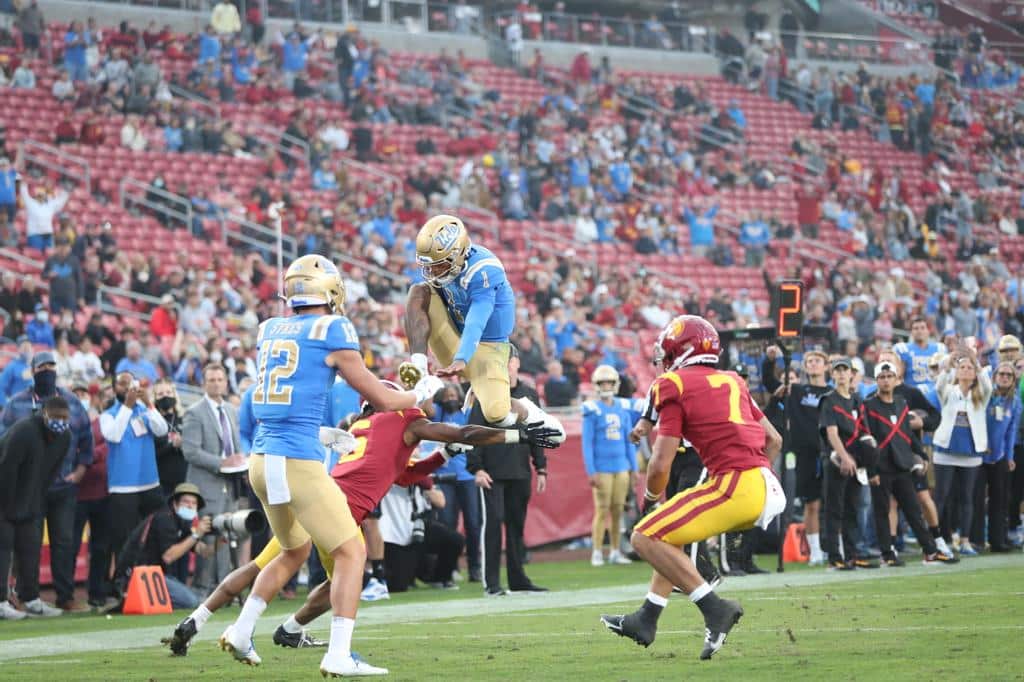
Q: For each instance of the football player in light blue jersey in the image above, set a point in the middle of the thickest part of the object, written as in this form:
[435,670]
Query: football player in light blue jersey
[464,312]
[609,459]
[298,359]
[916,354]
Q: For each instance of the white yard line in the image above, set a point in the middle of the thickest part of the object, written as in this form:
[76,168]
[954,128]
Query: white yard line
[127,632]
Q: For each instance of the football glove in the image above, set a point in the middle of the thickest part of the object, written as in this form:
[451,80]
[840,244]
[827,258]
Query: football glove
[538,433]
[647,506]
[426,388]
[339,440]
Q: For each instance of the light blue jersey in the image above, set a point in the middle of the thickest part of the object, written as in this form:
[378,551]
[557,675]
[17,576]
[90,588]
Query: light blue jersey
[605,439]
[294,382]
[915,362]
[480,302]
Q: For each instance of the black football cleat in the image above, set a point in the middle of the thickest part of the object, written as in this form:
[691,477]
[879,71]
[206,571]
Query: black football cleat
[717,625]
[296,640]
[632,626]
[181,639]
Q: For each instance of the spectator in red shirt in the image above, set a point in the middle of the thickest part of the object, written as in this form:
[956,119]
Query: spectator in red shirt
[92,131]
[808,208]
[581,71]
[164,322]
[93,506]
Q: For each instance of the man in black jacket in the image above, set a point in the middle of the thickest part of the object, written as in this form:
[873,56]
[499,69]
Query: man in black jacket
[31,453]
[887,418]
[503,476]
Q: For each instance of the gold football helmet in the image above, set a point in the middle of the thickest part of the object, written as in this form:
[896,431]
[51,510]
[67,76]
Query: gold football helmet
[605,373]
[442,247]
[314,280]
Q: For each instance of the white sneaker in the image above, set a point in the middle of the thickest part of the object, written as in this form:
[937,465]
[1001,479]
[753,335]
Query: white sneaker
[348,667]
[37,608]
[940,544]
[8,612]
[244,652]
[597,558]
[817,560]
[617,558]
[535,414]
[375,590]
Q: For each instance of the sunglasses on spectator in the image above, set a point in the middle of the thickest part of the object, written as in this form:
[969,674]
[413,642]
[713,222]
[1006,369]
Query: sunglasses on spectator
[1004,374]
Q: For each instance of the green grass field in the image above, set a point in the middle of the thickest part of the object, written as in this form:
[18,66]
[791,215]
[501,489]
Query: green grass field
[921,623]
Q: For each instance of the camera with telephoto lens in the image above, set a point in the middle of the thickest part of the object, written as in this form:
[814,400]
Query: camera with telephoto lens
[444,478]
[240,523]
[419,526]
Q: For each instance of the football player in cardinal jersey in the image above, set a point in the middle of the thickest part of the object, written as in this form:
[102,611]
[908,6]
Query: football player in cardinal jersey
[383,445]
[465,312]
[714,411]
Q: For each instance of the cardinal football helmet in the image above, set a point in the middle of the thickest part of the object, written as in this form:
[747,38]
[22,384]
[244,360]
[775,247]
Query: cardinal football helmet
[442,247]
[314,280]
[687,340]
[605,373]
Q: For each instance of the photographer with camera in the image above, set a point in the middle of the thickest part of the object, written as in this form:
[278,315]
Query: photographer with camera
[170,460]
[174,532]
[212,447]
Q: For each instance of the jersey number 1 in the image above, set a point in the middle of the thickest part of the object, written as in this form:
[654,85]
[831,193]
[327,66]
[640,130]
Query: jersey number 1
[720,380]
[268,391]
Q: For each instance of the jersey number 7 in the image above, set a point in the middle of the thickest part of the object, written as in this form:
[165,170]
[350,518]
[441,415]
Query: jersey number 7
[272,372]
[724,380]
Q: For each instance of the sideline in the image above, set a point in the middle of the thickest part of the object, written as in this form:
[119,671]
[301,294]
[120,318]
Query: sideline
[133,637]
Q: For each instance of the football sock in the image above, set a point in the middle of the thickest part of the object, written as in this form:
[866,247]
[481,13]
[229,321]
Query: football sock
[200,616]
[366,578]
[291,626]
[705,598]
[341,637]
[814,542]
[936,533]
[378,569]
[652,606]
[251,611]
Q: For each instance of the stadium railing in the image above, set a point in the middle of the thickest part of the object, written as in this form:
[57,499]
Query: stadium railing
[55,160]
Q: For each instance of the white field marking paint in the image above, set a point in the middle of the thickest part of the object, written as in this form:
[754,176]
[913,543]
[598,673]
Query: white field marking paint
[125,632]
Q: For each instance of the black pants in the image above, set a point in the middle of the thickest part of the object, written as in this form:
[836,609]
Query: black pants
[1016,489]
[954,491]
[900,486]
[97,514]
[400,563]
[504,504]
[60,527]
[127,510]
[839,513]
[19,544]
[439,553]
[995,478]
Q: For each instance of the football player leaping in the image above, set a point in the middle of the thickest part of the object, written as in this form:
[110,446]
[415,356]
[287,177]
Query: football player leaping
[715,412]
[465,312]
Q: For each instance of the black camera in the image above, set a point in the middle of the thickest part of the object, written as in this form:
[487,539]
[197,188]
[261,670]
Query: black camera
[419,526]
[444,478]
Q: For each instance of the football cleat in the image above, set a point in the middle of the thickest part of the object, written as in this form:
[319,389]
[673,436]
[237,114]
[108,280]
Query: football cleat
[243,653]
[840,565]
[893,561]
[181,639]
[616,558]
[865,562]
[375,590]
[632,626]
[296,640]
[535,414]
[717,626]
[351,666]
[939,558]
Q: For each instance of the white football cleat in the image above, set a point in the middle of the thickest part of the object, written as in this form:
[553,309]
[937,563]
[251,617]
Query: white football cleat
[616,558]
[37,608]
[375,590]
[348,667]
[535,414]
[597,558]
[244,652]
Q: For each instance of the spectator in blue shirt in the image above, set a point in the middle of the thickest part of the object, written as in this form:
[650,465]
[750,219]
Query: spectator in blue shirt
[134,363]
[323,177]
[209,46]
[702,227]
[1003,422]
[381,224]
[925,93]
[39,330]
[737,115]
[755,237]
[17,375]
[294,53]
[8,197]
[76,40]
[562,332]
[621,175]
[173,139]
[243,62]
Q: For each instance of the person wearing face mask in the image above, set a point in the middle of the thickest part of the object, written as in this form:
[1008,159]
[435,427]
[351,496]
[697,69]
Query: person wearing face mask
[174,532]
[39,330]
[61,497]
[31,453]
[170,462]
[17,375]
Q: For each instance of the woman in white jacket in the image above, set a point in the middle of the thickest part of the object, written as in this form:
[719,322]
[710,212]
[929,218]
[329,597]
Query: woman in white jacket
[962,438]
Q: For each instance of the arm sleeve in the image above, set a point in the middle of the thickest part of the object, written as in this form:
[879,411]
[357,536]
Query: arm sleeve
[191,445]
[919,402]
[246,422]
[414,472]
[112,427]
[587,441]
[13,452]
[480,308]
[157,423]
[768,379]
[539,458]
[84,445]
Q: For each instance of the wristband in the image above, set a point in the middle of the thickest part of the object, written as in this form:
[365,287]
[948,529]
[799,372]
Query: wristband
[195,536]
[511,436]
[651,497]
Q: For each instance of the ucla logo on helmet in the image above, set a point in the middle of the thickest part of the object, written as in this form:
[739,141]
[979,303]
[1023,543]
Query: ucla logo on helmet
[446,236]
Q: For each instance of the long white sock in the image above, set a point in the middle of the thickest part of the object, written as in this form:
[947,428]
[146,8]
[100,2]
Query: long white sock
[291,626]
[814,543]
[341,637]
[200,616]
[657,599]
[251,611]
[700,592]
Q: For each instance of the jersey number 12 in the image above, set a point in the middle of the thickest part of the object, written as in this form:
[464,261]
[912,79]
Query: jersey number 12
[269,390]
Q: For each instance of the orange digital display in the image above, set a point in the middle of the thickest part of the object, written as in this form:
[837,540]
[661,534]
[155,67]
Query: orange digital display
[789,309]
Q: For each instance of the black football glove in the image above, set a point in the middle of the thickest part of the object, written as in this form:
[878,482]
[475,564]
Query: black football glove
[647,506]
[536,433]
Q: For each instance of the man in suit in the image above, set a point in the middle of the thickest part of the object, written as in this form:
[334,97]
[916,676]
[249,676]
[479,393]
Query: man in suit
[210,443]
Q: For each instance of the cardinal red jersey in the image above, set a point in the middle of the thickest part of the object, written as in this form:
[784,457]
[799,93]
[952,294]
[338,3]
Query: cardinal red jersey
[381,457]
[714,411]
